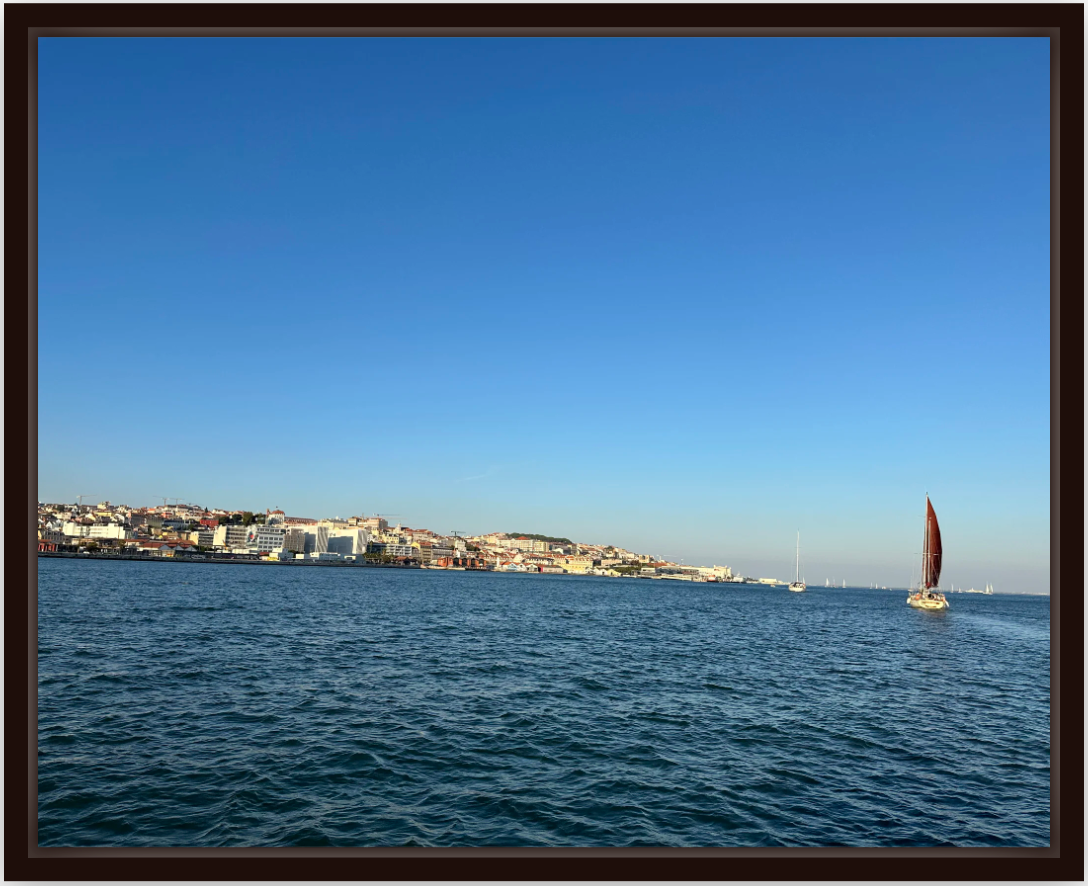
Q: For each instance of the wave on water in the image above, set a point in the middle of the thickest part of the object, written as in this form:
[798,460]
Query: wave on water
[260,707]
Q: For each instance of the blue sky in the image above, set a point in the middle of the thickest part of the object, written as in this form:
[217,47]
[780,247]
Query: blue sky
[688,296]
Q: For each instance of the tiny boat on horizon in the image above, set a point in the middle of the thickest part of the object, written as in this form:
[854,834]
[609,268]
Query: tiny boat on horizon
[798,584]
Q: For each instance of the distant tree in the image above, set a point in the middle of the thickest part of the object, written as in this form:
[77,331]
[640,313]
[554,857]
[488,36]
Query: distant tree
[549,538]
[247,518]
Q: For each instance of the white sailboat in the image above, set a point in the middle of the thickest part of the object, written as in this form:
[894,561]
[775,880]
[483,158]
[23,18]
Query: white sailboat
[925,597]
[798,583]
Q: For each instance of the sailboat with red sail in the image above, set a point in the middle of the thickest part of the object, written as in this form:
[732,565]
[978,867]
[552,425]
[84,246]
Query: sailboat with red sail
[925,597]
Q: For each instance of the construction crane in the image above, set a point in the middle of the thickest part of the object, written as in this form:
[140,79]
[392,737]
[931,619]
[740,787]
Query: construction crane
[80,498]
[164,498]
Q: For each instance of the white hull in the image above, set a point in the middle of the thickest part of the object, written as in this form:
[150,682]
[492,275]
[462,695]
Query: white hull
[798,586]
[932,602]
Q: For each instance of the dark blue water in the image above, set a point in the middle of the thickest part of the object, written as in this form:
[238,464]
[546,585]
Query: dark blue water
[185,704]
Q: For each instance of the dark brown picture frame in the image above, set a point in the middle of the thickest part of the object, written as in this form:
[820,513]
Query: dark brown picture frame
[1062,24]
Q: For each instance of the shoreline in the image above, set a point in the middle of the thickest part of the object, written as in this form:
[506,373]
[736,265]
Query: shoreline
[223,561]
[347,564]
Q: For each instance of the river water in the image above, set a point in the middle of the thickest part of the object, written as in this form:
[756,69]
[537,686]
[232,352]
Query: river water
[199,704]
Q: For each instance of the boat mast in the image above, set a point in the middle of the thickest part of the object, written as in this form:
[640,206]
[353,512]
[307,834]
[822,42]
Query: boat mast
[924,578]
[797,564]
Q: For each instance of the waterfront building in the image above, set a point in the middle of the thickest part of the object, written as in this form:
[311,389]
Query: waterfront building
[230,536]
[203,537]
[537,560]
[295,540]
[317,540]
[268,538]
[351,541]
[578,565]
[165,548]
[108,530]
[390,549]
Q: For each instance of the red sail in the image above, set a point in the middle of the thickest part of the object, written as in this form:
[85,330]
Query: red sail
[933,545]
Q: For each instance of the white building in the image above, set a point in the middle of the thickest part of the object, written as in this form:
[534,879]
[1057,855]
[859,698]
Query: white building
[392,550]
[348,541]
[108,530]
[268,538]
[317,540]
[230,536]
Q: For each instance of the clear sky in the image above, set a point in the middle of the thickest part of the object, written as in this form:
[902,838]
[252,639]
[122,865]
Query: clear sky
[688,296]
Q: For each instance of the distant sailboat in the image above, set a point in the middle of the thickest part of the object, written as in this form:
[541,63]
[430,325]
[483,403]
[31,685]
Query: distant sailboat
[798,583]
[925,597]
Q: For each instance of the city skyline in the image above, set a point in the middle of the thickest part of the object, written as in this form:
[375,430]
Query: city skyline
[684,296]
[835,571]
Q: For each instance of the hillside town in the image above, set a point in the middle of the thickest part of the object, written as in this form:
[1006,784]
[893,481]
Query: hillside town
[185,531]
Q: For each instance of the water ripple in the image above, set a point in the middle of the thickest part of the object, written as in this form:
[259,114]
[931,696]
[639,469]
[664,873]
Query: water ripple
[253,706]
